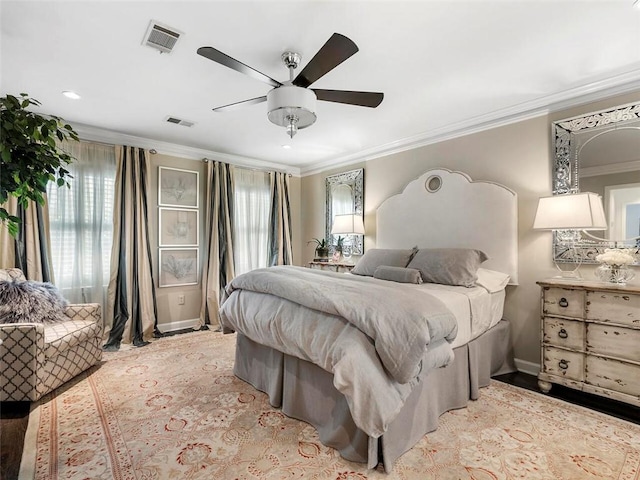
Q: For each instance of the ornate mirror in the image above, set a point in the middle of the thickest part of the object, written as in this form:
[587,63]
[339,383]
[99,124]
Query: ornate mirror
[345,195]
[600,153]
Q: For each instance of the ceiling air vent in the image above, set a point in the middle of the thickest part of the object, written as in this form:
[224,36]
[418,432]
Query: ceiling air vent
[179,121]
[161,37]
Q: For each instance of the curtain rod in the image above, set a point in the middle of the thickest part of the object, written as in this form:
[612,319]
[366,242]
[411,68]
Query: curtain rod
[153,151]
[256,169]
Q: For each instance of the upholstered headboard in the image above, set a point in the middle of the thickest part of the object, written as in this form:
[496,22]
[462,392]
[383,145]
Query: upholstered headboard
[443,208]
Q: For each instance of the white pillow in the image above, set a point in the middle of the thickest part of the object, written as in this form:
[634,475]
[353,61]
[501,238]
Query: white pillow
[491,280]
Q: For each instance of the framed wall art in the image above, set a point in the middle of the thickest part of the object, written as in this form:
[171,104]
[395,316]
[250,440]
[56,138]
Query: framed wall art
[178,227]
[178,188]
[178,267]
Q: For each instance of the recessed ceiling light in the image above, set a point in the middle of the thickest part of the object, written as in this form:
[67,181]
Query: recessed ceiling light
[72,95]
[286,147]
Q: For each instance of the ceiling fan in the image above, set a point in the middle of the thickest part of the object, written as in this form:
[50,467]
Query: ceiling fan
[292,104]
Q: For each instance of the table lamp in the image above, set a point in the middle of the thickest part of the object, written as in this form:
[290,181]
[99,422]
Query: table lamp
[348,225]
[571,213]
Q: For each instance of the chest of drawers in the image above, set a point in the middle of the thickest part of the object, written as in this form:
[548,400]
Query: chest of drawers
[591,338]
[332,266]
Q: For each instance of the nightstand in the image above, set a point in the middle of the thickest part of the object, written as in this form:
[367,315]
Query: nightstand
[591,338]
[339,267]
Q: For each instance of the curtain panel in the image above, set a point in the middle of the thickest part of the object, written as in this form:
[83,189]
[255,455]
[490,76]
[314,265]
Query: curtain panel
[81,223]
[218,267]
[30,251]
[131,307]
[280,249]
[251,226]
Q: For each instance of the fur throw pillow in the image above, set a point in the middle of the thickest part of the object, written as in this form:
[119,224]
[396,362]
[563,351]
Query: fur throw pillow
[31,302]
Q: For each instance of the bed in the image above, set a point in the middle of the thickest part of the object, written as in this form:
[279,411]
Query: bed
[373,388]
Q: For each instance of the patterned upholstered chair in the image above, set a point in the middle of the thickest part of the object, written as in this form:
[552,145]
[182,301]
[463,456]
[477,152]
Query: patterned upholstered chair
[35,358]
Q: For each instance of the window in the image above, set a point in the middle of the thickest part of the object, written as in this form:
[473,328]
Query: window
[81,223]
[252,204]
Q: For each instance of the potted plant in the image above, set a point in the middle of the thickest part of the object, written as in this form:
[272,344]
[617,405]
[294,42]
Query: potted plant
[29,155]
[322,249]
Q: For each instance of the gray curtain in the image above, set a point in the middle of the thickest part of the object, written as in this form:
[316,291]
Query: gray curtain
[30,251]
[217,269]
[131,315]
[280,250]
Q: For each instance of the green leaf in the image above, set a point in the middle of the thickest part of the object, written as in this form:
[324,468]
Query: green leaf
[13,228]
[29,151]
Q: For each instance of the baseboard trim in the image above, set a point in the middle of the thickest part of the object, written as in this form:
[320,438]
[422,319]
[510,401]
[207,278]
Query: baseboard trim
[527,367]
[179,325]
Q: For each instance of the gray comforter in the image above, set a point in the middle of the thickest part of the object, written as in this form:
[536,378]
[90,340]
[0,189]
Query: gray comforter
[373,335]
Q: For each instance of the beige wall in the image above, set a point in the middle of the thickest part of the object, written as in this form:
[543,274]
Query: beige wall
[518,156]
[171,314]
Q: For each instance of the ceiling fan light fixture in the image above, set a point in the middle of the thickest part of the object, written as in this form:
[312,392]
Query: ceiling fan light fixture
[292,127]
[291,107]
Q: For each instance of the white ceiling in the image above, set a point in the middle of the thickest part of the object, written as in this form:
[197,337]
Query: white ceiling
[444,66]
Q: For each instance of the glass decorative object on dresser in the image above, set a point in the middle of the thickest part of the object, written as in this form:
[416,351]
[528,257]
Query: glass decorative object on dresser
[614,266]
[599,152]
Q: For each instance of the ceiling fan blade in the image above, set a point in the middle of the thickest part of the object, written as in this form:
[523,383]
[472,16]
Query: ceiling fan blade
[337,49]
[363,99]
[224,59]
[244,103]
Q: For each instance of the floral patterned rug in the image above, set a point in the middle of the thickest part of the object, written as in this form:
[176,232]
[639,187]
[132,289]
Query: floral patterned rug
[174,410]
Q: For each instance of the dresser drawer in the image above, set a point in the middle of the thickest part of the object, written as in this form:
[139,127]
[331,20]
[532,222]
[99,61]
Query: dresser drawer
[614,307]
[563,333]
[562,301]
[563,363]
[613,375]
[614,341]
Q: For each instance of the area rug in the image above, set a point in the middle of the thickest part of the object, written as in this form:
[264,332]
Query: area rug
[174,410]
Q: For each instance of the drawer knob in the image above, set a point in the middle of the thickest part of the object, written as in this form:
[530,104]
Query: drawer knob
[563,364]
[563,333]
[563,302]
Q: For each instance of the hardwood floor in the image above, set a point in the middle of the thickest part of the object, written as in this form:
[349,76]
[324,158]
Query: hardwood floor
[614,408]
[14,417]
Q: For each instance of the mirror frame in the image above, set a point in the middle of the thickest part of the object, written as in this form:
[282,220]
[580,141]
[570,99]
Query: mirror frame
[355,179]
[566,169]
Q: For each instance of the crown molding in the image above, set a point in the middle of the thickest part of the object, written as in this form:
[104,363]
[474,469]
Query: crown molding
[624,167]
[592,92]
[95,134]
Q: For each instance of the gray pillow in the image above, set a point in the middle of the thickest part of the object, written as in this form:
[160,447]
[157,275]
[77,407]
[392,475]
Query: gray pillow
[375,257]
[398,274]
[31,302]
[448,266]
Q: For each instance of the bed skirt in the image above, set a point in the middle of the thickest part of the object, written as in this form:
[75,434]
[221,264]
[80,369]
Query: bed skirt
[305,391]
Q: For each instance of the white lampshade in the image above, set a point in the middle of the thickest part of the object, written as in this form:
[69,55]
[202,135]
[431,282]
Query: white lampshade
[349,224]
[577,211]
[291,107]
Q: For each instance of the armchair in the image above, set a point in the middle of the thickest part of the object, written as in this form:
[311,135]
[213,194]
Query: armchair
[36,358]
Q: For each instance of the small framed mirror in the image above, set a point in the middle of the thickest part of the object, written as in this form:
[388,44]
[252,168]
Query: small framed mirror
[344,195]
[600,153]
